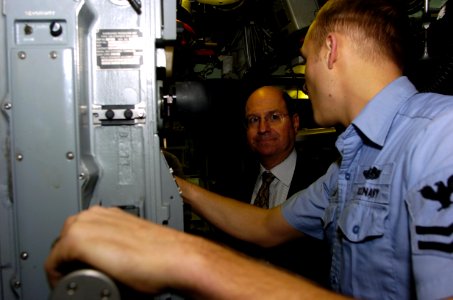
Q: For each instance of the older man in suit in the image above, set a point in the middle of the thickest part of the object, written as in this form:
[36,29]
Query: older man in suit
[271,127]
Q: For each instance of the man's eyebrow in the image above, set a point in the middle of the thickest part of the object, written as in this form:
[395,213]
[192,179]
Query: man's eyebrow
[266,112]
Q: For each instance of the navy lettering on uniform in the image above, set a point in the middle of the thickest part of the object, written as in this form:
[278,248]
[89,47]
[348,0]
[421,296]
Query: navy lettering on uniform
[369,192]
[372,173]
[441,194]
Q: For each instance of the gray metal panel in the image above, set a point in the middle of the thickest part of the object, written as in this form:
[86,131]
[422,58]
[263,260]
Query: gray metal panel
[7,243]
[171,197]
[169,19]
[120,152]
[45,169]
[55,158]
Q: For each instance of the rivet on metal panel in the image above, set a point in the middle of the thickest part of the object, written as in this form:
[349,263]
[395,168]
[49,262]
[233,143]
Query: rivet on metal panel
[7,105]
[70,155]
[53,54]
[16,284]
[22,55]
[24,255]
[19,157]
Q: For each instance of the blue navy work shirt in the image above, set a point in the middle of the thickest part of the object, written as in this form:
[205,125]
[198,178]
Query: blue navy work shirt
[386,207]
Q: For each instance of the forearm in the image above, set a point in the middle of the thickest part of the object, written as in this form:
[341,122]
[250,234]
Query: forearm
[241,220]
[219,273]
[151,259]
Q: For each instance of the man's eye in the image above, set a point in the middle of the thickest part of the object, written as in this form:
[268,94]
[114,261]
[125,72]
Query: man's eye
[275,117]
[253,120]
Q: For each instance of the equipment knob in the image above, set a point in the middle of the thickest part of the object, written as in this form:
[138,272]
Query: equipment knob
[128,114]
[109,114]
[56,29]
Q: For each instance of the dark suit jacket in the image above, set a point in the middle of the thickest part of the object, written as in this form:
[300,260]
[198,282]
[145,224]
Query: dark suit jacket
[306,256]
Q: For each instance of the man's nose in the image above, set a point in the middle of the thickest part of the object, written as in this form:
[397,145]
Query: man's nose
[263,125]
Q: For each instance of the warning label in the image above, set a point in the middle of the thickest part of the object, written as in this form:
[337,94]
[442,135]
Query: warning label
[119,48]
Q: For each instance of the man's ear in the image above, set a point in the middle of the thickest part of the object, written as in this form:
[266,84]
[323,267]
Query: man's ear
[296,122]
[331,43]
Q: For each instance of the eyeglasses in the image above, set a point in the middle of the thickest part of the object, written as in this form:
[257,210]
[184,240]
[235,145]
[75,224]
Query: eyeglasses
[272,118]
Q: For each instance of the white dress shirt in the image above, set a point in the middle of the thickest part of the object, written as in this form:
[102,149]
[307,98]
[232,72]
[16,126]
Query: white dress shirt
[283,172]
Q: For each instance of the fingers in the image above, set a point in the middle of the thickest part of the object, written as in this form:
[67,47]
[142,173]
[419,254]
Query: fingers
[127,248]
[77,233]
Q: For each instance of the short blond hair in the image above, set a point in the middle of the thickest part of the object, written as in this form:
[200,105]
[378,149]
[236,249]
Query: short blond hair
[376,27]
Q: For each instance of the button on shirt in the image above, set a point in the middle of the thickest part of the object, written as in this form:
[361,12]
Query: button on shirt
[386,208]
[283,172]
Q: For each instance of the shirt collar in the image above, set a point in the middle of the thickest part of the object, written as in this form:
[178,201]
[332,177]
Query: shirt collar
[284,171]
[375,120]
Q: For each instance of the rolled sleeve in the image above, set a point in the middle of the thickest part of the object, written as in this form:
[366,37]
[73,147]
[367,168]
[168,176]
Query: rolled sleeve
[306,209]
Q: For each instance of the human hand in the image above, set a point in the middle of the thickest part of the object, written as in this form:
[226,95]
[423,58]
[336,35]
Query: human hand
[133,251]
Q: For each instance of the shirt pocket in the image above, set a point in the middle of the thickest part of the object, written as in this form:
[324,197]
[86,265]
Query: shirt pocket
[367,208]
[361,221]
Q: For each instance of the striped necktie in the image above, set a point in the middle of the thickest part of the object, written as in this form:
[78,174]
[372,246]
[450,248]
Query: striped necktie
[262,198]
